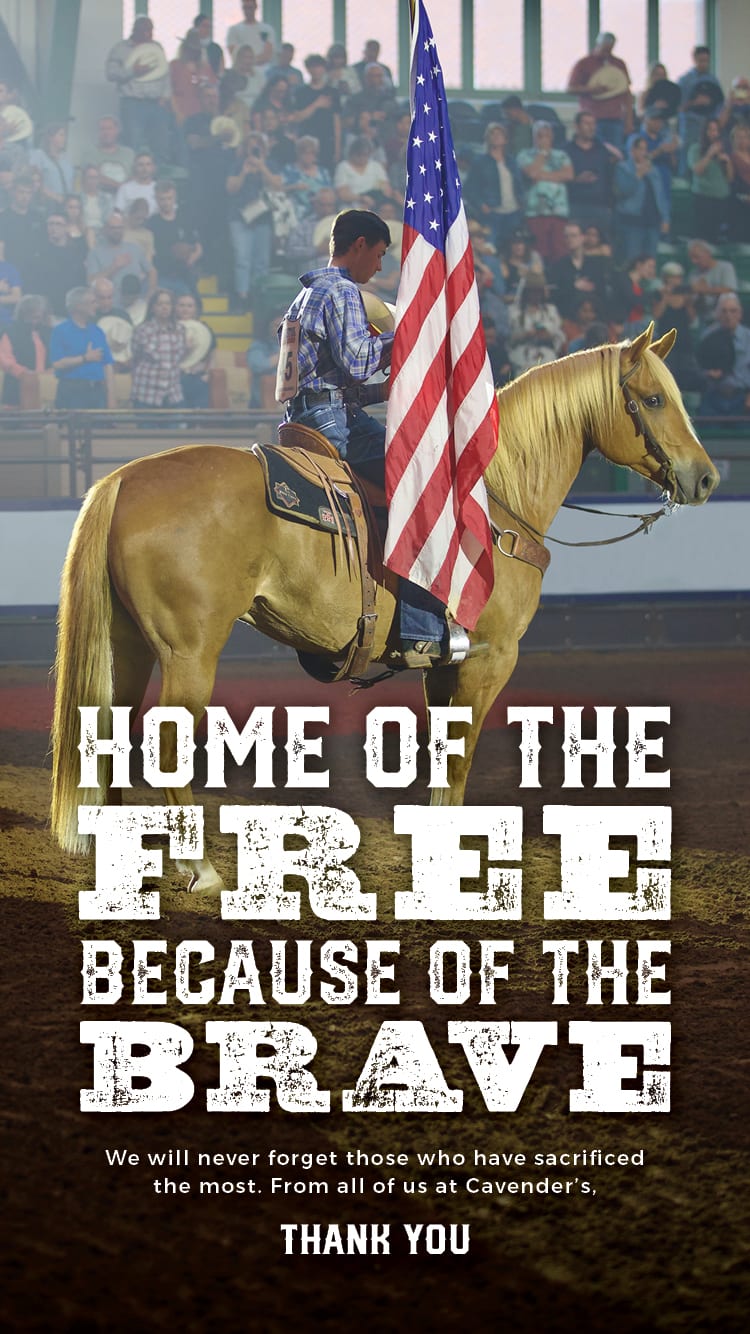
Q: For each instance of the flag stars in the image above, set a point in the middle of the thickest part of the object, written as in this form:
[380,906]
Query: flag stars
[428,198]
[432,137]
[420,79]
[417,142]
[410,203]
[422,169]
[433,226]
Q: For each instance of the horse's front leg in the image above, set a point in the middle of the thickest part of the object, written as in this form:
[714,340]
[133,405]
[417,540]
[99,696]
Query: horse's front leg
[476,684]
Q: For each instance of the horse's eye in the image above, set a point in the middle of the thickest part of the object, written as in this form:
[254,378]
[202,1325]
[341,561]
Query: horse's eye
[653,401]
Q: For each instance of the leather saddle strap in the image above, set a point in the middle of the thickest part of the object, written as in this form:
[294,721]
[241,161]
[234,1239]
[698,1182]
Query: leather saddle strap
[516,546]
[359,652]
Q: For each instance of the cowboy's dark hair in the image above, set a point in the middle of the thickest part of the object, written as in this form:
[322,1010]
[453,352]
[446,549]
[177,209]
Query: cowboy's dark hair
[356,222]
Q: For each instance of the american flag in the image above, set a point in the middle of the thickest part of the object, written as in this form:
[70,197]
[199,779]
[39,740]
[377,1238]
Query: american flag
[441,425]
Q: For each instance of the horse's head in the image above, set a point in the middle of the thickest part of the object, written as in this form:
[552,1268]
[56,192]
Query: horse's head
[653,434]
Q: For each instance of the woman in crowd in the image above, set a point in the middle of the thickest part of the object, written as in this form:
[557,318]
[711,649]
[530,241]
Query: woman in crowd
[96,204]
[595,242]
[306,177]
[136,231]
[494,187]
[711,179]
[250,224]
[54,164]
[641,207]
[547,171]
[78,235]
[360,180]
[187,75]
[195,385]
[656,74]
[277,94]
[23,346]
[518,261]
[159,347]
[536,333]
[739,200]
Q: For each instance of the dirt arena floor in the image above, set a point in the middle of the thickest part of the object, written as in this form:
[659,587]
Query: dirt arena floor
[658,1242]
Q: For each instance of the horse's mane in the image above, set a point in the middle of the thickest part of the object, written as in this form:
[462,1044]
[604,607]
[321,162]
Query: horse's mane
[547,411]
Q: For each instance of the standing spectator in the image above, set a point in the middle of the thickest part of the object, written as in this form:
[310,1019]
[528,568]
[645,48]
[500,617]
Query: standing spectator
[728,390]
[657,73]
[114,160]
[702,96]
[144,99]
[317,111]
[75,225]
[283,65]
[590,190]
[577,275]
[662,146]
[709,278]
[10,288]
[282,148]
[536,334]
[547,171]
[371,56]
[21,227]
[115,257]
[56,167]
[206,197]
[739,201]
[96,205]
[602,84]
[177,250]
[278,95]
[187,75]
[360,180]
[159,346]
[212,52]
[140,186]
[341,76]
[250,225]
[194,382]
[58,266]
[595,241]
[260,36]
[250,79]
[494,186]
[736,109]
[376,97]
[136,231]
[80,357]
[104,298]
[518,124]
[518,260]
[711,176]
[306,177]
[642,211]
[23,346]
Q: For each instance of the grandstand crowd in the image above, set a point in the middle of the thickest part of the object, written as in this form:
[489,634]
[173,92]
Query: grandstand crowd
[232,160]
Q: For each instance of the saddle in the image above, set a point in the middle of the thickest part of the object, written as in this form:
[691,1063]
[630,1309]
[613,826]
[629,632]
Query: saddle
[308,482]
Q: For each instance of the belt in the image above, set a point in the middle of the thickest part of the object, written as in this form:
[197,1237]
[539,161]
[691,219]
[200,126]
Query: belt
[308,397]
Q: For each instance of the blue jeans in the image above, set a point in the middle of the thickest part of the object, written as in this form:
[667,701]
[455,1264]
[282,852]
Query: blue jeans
[360,440]
[611,130]
[634,240]
[145,124]
[252,253]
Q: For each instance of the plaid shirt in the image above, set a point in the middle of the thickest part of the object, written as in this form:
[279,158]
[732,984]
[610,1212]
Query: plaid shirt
[336,348]
[158,350]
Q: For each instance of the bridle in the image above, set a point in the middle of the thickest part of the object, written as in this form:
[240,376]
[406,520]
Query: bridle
[666,474]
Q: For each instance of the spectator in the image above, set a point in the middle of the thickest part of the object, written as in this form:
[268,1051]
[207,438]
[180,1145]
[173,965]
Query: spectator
[307,245]
[702,96]
[577,275]
[159,347]
[360,180]
[56,167]
[282,148]
[263,359]
[80,357]
[194,381]
[177,250]
[674,310]
[602,84]
[115,257]
[250,81]
[709,278]
[727,393]
[59,265]
[114,160]
[260,36]
[140,186]
[376,97]
[75,225]
[663,146]
[134,304]
[143,98]
[628,299]
[250,226]
[497,352]
[657,73]
[395,151]
[306,177]
[136,231]
[590,190]
[104,300]
[10,288]
[17,149]
[21,227]
[536,334]
[518,260]
[116,324]
[341,76]
[711,179]
[317,111]
[518,124]
[595,241]
[736,109]
[284,66]
[370,56]
[586,330]
[495,186]
[547,171]
[739,200]
[23,346]
[212,52]
[641,209]
[205,193]
[6,178]
[187,75]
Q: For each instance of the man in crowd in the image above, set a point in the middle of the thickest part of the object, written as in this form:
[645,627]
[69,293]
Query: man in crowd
[57,267]
[590,191]
[260,36]
[177,249]
[708,278]
[80,357]
[115,257]
[21,227]
[317,112]
[104,297]
[577,275]
[727,368]
[371,56]
[602,85]
[144,101]
[140,186]
[109,155]
[702,96]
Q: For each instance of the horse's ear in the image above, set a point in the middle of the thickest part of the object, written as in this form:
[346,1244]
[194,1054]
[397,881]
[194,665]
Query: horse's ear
[663,346]
[631,355]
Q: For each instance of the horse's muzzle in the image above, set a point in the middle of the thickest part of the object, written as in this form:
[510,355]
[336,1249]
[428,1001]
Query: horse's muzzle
[695,484]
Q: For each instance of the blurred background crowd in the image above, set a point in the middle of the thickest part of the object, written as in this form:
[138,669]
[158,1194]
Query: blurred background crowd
[170,243]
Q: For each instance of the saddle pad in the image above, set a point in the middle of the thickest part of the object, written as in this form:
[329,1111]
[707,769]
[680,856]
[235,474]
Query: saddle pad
[293,492]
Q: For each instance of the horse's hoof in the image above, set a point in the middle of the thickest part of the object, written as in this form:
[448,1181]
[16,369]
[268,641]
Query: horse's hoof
[206,884]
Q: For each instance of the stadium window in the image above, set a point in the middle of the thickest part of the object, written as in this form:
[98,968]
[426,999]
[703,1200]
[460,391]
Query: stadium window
[309,27]
[628,20]
[170,23]
[682,25]
[498,45]
[565,38]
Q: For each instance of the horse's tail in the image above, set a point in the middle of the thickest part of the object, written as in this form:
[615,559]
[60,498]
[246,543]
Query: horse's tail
[83,665]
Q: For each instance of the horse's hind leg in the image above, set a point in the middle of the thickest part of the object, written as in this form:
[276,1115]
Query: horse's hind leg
[132,659]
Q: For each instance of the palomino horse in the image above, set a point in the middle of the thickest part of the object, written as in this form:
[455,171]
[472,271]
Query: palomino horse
[169,551]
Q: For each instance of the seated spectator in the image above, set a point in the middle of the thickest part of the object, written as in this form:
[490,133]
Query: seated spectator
[547,171]
[595,241]
[52,159]
[194,381]
[724,352]
[366,127]
[395,145]
[58,266]
[317,111]
[136,231]
[341,76]
[577,275]
[21,228]
[628,301]
[495,187]
[284,65]
[308,243]
[497,352]
[739,200]
[306,177]
[10,289]
[250,225]
[674,310]
[96,205]
[641,208]
[159,348]
[518,124]
[590,189]
[23,346]
[177,250]
[360,180]
[708,278]
[115,257]
[143,100]
[80,357]
[593,332]
[114,159]
[141,184]
[517,261]
[212,52]
[536,333]
[657,73]
[187,75]
[711,176]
